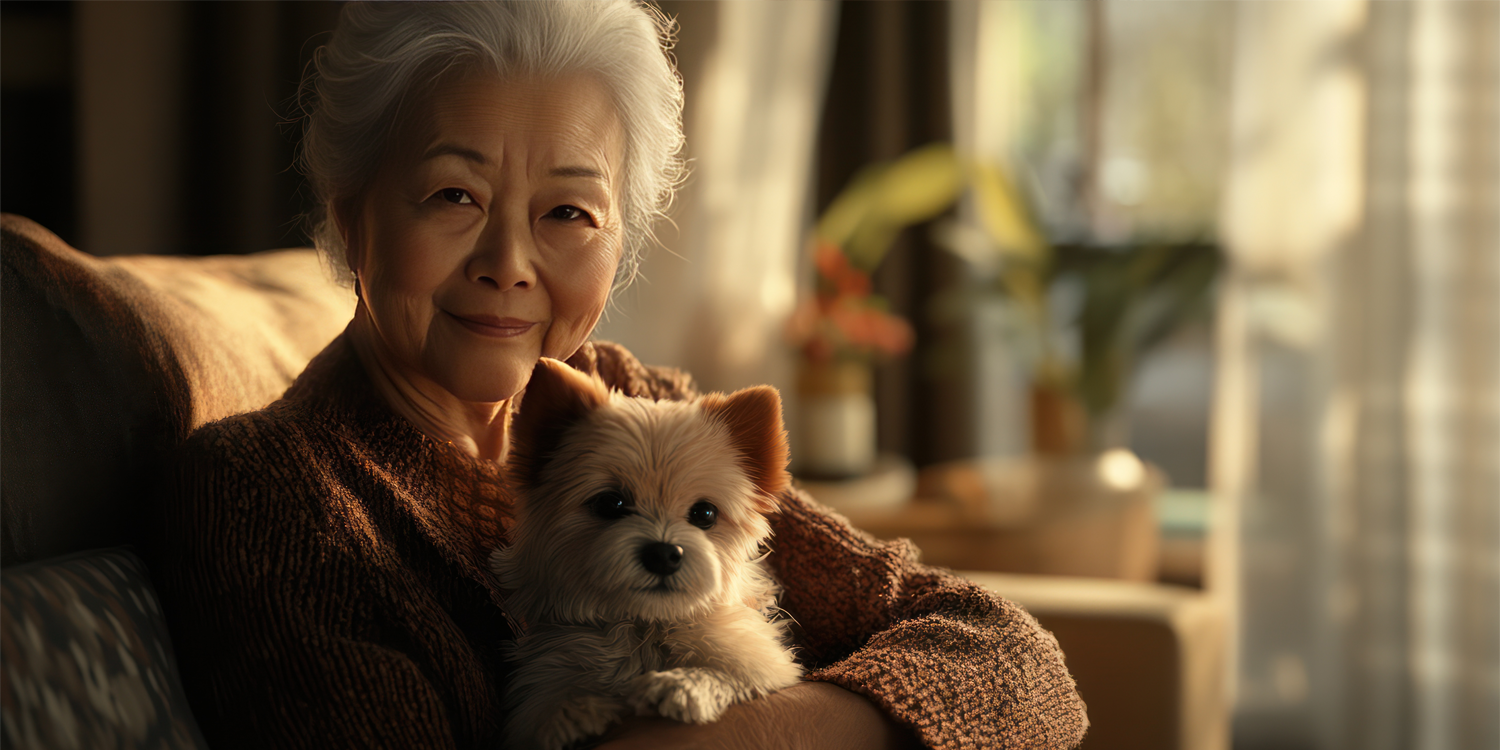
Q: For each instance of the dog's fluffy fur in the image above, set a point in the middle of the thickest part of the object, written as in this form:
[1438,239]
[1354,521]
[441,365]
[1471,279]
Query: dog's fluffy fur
[598,478]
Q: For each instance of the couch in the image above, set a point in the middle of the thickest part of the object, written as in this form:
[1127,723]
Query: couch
[108,363]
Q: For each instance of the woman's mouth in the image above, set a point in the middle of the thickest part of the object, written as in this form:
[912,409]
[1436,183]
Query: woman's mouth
[493,327]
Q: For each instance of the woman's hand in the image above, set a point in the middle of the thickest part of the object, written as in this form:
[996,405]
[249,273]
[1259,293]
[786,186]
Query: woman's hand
[805,716]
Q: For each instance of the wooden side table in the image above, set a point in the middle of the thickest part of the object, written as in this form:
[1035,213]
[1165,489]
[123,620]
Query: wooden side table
[1091,517]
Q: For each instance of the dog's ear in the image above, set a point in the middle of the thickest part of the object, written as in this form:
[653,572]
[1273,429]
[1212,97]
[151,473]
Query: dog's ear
[556,398]
[753,416]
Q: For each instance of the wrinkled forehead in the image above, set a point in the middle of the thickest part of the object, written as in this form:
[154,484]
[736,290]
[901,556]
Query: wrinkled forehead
[569,116]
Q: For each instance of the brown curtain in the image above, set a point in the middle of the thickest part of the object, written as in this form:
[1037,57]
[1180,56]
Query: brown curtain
[157,126]
[888,92]
[245,62]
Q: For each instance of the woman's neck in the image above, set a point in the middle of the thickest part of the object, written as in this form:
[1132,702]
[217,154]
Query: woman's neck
[479,429]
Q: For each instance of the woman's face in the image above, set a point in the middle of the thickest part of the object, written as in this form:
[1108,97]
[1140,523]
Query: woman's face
[491,234]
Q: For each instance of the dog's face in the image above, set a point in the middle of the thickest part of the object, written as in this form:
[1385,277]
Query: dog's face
[635,509]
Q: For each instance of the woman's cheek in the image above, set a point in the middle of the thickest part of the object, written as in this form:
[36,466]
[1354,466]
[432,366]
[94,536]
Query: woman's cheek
[579,296]
[400,279]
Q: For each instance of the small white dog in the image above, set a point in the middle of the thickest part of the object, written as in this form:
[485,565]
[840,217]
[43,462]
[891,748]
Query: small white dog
[635,562]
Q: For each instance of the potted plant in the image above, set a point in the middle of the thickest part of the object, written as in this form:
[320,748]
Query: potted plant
[1131,297]
[841,327]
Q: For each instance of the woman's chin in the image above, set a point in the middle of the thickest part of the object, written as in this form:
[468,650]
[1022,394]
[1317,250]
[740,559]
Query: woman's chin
[476,380]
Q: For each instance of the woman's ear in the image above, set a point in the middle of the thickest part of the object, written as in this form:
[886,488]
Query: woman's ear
[346,223]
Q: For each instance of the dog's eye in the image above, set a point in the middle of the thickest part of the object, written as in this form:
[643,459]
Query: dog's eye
[703,514]
[610,505]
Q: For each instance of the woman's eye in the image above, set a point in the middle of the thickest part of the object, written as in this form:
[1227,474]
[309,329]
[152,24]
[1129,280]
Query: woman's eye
[703,514]
[567,213]
[456,195]
[610,505]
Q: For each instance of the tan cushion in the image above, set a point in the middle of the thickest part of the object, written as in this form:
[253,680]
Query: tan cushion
[1151,660]
[108,363]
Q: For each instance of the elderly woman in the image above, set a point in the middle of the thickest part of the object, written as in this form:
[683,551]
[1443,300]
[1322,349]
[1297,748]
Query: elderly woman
[487,173]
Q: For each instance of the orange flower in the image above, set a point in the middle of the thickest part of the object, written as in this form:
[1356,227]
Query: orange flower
[830,259]
[843,318]
[834,267]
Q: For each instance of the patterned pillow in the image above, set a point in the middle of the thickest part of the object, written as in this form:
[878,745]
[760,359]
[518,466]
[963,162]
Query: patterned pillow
[87,660]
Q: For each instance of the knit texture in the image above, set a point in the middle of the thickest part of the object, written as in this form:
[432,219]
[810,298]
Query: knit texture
[962,666]
[322,567]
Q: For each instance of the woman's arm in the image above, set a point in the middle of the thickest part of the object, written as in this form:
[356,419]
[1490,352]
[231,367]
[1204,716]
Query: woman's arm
[960,665]
[806,716]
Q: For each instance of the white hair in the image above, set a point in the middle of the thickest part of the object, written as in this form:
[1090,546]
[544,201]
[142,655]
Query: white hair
[383,51]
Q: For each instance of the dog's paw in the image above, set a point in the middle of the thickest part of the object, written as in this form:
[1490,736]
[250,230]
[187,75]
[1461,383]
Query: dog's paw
[694,696]
[575,720]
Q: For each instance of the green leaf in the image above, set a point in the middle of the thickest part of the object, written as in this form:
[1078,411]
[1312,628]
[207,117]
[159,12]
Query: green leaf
[918,186]
[849,208]
[883,199]
[1180,292]
[1005,216]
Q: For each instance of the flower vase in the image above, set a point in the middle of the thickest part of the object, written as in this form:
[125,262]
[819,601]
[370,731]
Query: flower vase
[1059,423]
[837,438]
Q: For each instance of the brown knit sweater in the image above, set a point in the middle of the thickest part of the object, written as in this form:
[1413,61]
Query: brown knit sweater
[323,573]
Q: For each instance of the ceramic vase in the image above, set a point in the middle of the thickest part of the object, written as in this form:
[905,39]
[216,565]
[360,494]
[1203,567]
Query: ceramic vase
[837,406]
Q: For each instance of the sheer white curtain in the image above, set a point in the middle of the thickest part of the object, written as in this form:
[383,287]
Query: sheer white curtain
[1358,430]
[715,298]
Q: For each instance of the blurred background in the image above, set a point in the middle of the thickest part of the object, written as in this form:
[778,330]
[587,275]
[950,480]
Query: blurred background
[1202,296]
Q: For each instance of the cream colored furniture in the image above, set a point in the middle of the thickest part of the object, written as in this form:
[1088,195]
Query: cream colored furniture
[1093,517]
[1150,660]
[1077,542]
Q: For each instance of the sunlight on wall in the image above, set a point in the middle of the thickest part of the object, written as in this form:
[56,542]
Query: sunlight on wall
[716,300]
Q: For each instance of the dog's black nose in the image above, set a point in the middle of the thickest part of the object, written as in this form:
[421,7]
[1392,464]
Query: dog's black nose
[661,558]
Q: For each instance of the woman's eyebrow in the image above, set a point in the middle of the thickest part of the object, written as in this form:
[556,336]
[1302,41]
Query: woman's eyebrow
[589,172]
[469,154]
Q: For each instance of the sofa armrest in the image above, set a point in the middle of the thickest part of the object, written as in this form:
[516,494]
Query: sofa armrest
[1150,660]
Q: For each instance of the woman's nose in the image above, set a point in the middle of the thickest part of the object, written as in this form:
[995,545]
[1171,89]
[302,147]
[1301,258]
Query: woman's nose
[505,257]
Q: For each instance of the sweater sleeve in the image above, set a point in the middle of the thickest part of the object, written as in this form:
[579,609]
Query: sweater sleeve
[266,612]
[963,667]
